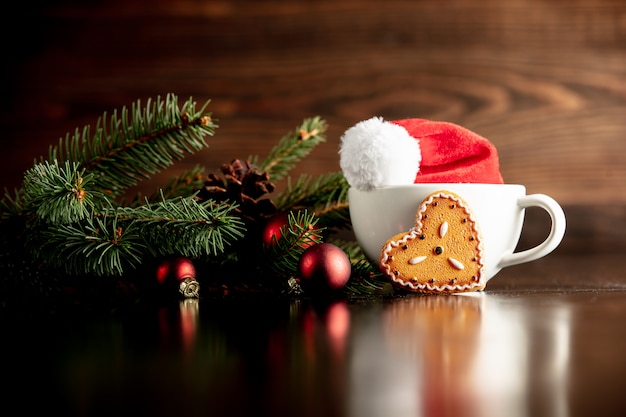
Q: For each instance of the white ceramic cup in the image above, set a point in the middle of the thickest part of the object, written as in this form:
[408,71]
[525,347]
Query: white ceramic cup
[380,214]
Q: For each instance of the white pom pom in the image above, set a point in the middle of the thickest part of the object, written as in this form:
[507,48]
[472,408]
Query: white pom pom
[375,153]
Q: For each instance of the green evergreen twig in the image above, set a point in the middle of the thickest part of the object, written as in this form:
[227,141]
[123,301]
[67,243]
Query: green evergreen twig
[326,195]
[283,255]
[128,147]
[59,194]
[292,148]
[184,184]
[66,216]
[184,226]
[118,240]
[101,246]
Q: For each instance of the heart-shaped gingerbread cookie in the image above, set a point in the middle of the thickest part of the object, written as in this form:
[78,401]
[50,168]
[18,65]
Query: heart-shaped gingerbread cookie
[442,253]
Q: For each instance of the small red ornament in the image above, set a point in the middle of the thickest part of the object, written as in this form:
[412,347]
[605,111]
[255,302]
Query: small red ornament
[324,267]
[179,271]
[272,230]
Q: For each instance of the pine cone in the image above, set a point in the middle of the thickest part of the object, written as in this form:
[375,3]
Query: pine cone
[244,184]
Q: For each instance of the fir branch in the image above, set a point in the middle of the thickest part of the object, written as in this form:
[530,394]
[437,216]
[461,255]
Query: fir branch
[12,204]
[367,283]
[292,148]
[127,148]
[283,255]
[326,195]
[184,226]
[119,239]
[59,194]
[184,184]
[99,246]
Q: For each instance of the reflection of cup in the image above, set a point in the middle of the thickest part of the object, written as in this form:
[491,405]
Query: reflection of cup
[439,341]
[498,210]
[473,355]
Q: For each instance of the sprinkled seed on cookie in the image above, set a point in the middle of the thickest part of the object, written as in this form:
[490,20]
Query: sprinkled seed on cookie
[456,264]
[438,250]
[443,229]
[416,260]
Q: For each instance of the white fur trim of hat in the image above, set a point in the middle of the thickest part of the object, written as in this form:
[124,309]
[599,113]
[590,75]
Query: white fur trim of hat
[375,153]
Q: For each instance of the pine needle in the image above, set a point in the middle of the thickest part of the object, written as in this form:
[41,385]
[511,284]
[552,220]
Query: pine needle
[293,147]
[326,195]
[130,146]
[60,194]
[102,246]
[283,255]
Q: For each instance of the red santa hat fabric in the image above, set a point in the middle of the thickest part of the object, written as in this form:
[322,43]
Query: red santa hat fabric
[375,153]
[452,153]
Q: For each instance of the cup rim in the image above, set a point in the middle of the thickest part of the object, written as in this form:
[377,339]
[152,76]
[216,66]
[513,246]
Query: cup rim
[439,185]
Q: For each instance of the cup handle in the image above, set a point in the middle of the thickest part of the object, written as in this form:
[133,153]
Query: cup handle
[557,230]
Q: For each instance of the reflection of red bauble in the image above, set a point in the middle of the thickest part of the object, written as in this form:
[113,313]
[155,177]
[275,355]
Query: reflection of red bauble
[272,232]
[324,267]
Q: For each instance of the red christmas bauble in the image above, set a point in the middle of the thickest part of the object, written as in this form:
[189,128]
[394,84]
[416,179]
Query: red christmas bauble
[324,267]
[272,232]
[180,272]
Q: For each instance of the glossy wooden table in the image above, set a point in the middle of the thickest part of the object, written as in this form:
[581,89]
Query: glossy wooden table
[543,80]
[545,339]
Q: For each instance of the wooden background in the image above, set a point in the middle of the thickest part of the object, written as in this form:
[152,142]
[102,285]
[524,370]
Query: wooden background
[545,81]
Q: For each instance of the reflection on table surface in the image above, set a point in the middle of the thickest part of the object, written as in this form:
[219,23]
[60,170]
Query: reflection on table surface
[485,354]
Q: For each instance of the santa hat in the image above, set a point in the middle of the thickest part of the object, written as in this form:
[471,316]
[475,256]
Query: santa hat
[376,153]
